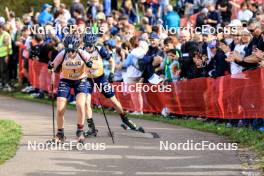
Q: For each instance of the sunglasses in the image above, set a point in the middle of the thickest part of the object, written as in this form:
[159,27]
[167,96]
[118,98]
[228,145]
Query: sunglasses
[71,50]
[89,45]
[252,30]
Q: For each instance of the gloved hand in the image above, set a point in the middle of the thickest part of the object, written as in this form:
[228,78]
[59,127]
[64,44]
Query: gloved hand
[50,66]
[111,77]
[89,64]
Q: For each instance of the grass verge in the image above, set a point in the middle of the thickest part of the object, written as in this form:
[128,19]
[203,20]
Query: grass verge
[10,134]
[245,137]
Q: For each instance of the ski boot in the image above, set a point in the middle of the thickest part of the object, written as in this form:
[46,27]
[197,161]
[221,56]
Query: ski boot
[59,139]
[80,136]
[130,125]
[92,131]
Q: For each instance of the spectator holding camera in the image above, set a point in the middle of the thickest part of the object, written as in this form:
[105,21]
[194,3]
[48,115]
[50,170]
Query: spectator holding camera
[192,62]
[218,66]
[171,66]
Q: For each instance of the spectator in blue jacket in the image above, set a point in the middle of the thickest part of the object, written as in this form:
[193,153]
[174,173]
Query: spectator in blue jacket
[171,19]
[129,11]
[151,17]
[45,16]
[218,66]
[154,53]
[107,7]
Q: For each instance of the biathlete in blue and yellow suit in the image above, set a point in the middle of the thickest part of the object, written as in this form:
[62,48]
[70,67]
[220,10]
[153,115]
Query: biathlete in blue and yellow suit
[96,75]
[72,63]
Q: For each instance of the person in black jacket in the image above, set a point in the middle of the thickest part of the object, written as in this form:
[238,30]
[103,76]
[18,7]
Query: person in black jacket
[251,61]
[218,66]
[43,52]
[76,6]
[201,19]
[213,17]
[191,62]
[224,8]
[154,52]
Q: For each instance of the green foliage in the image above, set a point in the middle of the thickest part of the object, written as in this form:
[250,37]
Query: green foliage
[10,134]
[23,6]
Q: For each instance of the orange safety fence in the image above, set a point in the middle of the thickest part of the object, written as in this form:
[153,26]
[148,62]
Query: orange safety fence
[229,97]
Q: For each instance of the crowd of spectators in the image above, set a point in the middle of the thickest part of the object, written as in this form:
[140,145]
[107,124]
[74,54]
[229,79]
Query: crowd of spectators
[141,37]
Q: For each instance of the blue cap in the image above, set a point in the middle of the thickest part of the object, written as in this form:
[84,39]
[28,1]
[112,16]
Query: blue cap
[45,6]
[212,44]
[71,21]
[114,30]
[111,42]
[153,35]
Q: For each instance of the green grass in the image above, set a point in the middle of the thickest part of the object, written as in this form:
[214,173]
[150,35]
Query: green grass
[10,134]
[245,137]
[23,6]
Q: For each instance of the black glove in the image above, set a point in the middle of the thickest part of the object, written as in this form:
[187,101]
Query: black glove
[111,77]
[50,66]
[89,64]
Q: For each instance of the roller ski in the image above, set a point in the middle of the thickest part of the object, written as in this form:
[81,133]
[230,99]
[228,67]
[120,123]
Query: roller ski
[129,125]
[92,131]
[139,129]
[60,138]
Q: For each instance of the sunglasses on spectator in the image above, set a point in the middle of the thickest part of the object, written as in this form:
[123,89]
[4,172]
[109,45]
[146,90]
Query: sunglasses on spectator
[252,30]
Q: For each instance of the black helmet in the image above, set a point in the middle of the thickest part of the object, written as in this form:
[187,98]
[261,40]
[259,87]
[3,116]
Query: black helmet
[71,43]
[89,39]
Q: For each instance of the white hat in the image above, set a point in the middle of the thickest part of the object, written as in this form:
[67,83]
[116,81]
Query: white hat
[144,45]
[235,23]
[2,20]
[204,11]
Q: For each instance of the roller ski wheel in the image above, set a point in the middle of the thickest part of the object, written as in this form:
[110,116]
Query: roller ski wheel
[81,140]
[57,140]
[91,133]
[139,129]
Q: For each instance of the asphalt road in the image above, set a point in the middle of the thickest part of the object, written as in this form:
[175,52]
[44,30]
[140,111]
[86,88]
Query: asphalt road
[132,154]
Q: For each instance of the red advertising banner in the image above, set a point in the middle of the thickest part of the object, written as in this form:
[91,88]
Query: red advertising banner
[229,97]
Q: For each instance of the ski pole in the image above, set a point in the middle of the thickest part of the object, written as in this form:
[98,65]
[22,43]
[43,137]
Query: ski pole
[52,101]
[106,120]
